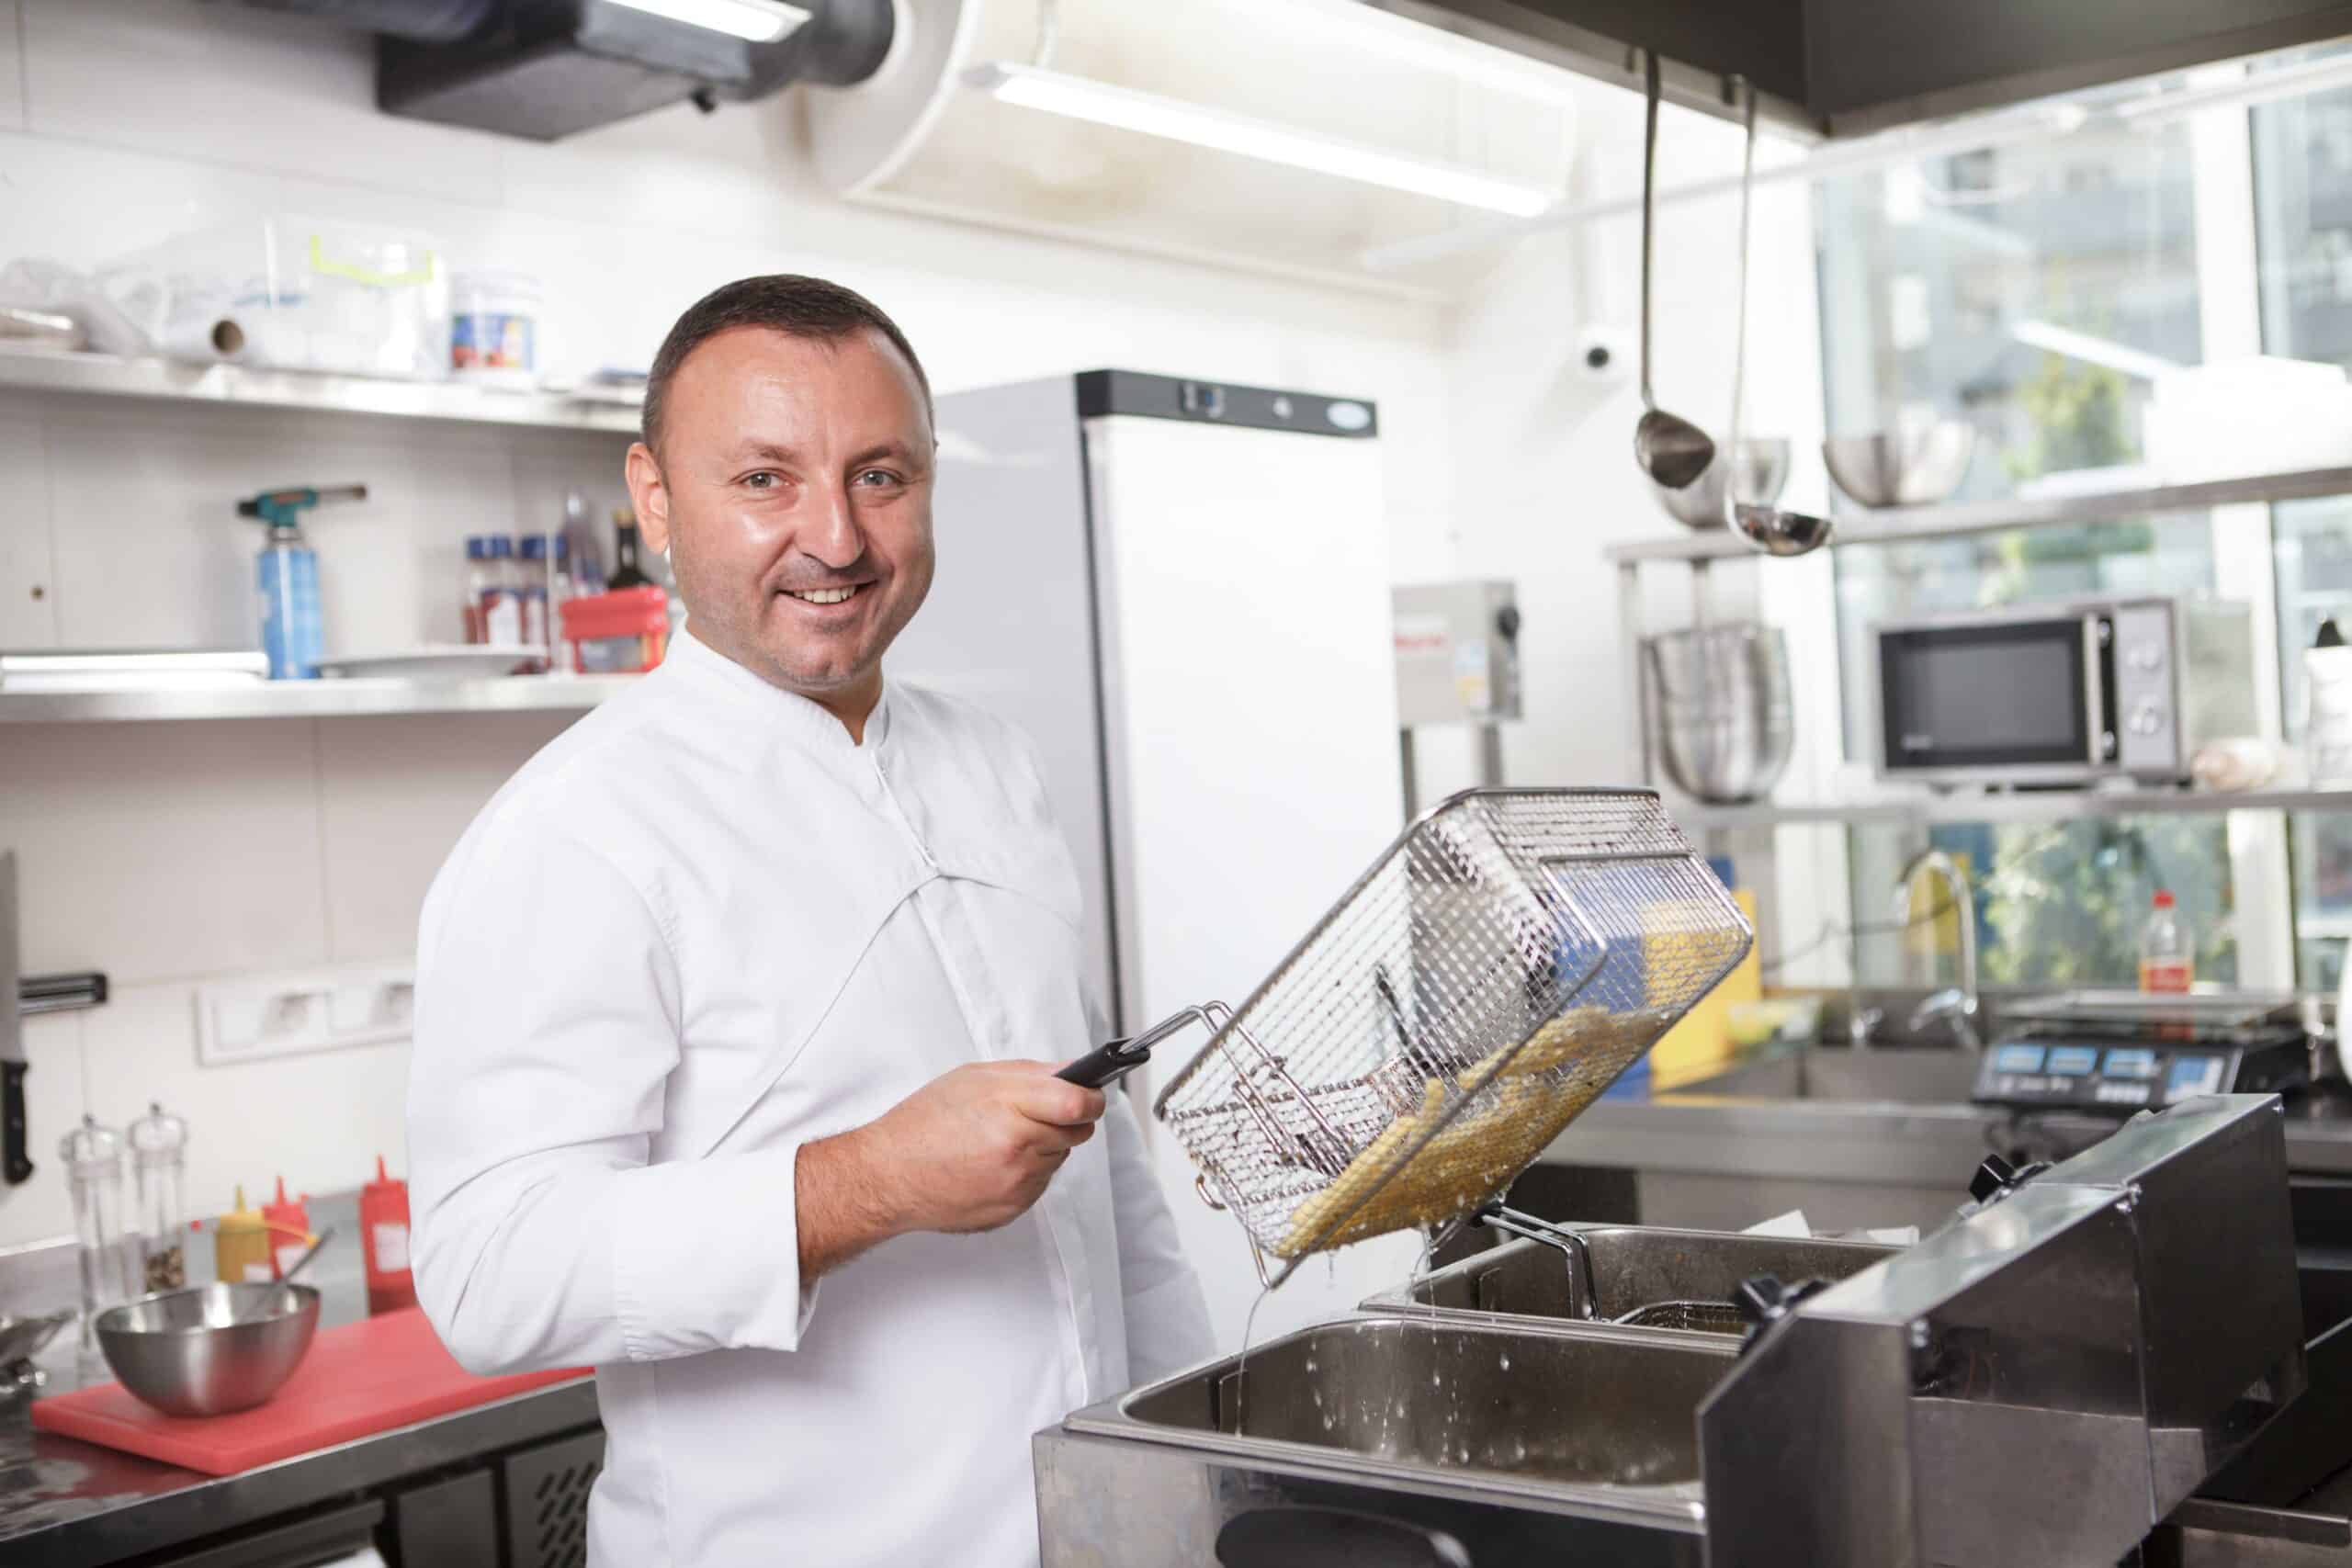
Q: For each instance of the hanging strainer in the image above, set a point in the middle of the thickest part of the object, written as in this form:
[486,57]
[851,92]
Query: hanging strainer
[1509,955]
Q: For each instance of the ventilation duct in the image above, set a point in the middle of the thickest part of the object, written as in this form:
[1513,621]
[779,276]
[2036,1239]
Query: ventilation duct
[547,69]
[1284,135]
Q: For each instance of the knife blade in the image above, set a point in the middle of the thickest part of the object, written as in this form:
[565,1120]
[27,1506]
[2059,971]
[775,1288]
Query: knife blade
[15,1163]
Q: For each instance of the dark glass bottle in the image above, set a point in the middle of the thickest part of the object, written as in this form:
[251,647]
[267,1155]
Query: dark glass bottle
[625,571]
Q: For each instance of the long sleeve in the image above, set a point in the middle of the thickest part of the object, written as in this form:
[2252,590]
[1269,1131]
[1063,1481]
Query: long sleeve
[547,1025]
[1167,1316]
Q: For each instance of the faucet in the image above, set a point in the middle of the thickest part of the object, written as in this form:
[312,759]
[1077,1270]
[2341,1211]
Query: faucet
[1959,1003]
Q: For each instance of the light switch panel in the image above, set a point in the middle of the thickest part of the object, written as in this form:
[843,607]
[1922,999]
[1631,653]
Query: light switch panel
[253,1017]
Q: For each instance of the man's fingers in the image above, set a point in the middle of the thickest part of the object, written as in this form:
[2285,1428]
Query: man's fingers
[1057,1103]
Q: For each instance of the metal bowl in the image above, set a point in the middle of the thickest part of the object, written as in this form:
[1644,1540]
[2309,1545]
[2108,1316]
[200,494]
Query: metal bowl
[1717,703]
[1763,474]
[1915,467]
[212,1349]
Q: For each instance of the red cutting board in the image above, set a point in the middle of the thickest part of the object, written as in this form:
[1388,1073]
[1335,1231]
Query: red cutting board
[363,1377]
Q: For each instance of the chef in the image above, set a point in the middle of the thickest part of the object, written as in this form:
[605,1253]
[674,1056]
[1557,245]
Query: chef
[737,1011]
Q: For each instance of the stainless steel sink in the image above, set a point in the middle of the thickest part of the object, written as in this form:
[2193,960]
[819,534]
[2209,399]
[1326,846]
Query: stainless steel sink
[1915,1077]
[1631,1268]
[1605,1407]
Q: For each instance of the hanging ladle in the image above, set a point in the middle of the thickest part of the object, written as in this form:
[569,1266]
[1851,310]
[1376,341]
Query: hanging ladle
[1770,527]
[1672,450]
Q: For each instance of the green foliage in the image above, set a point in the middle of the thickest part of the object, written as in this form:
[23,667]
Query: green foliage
[2077,414]
[2066,901]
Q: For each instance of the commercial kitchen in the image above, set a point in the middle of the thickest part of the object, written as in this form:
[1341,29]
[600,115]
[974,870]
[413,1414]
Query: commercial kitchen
[1600,811]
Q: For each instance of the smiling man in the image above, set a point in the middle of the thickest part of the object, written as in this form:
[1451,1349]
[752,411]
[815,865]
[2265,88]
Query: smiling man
[738,1011]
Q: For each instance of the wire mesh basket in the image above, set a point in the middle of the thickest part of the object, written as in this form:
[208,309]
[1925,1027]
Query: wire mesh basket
[1691,1317]
[1502,961]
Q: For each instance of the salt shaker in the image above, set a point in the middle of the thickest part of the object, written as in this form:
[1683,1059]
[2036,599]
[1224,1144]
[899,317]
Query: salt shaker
[93,1159]
[159,1169]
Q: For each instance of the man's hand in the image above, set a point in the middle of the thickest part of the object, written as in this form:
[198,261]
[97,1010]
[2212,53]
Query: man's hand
[969,1151]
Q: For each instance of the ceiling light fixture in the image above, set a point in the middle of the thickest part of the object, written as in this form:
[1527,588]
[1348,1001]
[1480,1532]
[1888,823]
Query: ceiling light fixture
[1080,97]
[754,21]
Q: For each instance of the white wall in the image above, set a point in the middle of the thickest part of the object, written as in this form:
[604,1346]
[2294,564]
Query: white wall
[168,854]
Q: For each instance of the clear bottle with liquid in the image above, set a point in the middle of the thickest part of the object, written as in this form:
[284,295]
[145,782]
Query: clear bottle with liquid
[2168,952]
[502,599]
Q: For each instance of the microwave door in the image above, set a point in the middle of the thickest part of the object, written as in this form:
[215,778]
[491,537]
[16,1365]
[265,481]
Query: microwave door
[2021,700]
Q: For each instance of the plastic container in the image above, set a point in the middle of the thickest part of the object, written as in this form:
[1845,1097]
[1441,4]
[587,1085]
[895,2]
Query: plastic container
[495,328]
[241,1247]
[104,1242]
[295,293]
[501,599]
[289,1230]
[159,1172]
[383,1239]
[2327,706]
[625,630]
[2167,956]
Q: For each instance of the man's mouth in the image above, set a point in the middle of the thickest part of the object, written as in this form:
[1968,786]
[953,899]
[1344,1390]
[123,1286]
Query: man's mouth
[824,595]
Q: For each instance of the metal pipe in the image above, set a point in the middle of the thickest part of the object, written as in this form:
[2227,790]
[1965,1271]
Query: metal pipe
[1962,1004]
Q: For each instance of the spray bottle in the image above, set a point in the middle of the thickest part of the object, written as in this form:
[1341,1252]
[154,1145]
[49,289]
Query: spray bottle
[293,632]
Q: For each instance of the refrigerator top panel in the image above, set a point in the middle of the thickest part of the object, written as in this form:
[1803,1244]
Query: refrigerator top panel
[1223,403]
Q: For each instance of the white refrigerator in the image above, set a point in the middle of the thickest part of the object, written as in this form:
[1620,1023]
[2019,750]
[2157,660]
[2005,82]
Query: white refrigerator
[1180,589]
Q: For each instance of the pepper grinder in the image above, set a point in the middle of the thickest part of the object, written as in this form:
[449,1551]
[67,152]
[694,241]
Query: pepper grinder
[159,1169]
[93,1157]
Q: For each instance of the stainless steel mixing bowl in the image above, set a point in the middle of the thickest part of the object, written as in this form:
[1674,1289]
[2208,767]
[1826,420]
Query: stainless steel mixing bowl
[1917,466]
[1763,474]
[212,1349]
[1717,704]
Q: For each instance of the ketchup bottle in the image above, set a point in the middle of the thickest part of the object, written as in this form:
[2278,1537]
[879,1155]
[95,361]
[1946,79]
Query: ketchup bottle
[383,1234]
[289,1230]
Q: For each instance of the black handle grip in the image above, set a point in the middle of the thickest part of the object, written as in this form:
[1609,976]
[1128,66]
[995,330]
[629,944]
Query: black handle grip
[15,1165]
[1106,1063]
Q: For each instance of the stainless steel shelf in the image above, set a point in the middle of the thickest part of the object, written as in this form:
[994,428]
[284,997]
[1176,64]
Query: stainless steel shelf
[315,699]
[1909,523]
[2027,806]
[104,375]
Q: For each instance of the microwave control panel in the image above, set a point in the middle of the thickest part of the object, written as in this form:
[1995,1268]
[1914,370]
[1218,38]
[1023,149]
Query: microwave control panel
[2146,721]
[2089,1073]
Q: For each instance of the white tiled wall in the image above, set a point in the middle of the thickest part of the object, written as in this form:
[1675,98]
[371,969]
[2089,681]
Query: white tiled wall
[165,853]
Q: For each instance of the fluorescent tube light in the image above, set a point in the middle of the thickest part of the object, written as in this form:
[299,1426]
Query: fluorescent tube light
[1101,103]
[754,21]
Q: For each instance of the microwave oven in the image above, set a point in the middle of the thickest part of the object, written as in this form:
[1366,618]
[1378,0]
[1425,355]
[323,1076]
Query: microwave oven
[2068,694]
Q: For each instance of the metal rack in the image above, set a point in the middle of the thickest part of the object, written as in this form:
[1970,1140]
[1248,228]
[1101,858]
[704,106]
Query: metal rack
[108,376]
[1897,525]
[316,699]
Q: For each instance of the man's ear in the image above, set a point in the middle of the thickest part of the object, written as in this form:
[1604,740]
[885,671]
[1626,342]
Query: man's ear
[650,496]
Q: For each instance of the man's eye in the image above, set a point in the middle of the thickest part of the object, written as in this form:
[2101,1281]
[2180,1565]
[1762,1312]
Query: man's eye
[763,479]
[872,476]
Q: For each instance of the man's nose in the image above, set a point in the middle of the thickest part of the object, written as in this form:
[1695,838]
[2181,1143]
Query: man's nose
[829,530]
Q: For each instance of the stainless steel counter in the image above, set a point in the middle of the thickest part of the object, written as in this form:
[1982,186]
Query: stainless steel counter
[1882,1137]
[64,1504]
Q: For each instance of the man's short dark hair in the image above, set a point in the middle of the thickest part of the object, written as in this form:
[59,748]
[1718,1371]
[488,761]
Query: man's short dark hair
[783,302]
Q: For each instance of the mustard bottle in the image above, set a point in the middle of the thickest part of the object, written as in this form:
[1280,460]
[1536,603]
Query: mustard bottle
[241,1245]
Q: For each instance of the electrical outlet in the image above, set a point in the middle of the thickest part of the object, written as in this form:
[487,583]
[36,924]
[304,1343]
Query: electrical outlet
[256,1017]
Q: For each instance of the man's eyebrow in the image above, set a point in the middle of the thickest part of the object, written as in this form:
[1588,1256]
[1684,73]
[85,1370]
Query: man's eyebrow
[894,449]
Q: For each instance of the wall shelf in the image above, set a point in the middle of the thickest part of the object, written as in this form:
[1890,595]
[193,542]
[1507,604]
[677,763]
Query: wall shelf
[2011,806]
[1910,523]
[449,402]
[315,699]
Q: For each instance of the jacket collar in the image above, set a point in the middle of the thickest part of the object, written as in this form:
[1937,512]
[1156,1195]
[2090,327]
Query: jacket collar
[805,723]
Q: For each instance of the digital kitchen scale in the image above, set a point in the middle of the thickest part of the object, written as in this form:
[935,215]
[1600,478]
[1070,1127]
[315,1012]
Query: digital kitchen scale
[2124,1050]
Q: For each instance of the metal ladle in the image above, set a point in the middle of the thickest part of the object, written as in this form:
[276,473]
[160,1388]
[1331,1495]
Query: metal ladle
[1672,450]
[1774,529]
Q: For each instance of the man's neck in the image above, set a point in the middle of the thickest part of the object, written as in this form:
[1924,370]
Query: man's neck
[853,703]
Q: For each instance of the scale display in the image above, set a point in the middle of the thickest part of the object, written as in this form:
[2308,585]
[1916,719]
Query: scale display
[2084,1066]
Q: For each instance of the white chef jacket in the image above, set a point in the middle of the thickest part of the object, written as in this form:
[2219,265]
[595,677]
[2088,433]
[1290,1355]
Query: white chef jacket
[698,930]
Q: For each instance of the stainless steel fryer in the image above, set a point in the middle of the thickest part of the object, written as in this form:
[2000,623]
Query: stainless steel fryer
[2036,1385]
[1641,1276]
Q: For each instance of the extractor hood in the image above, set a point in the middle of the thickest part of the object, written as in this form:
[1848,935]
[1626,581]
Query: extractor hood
[1851,67]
